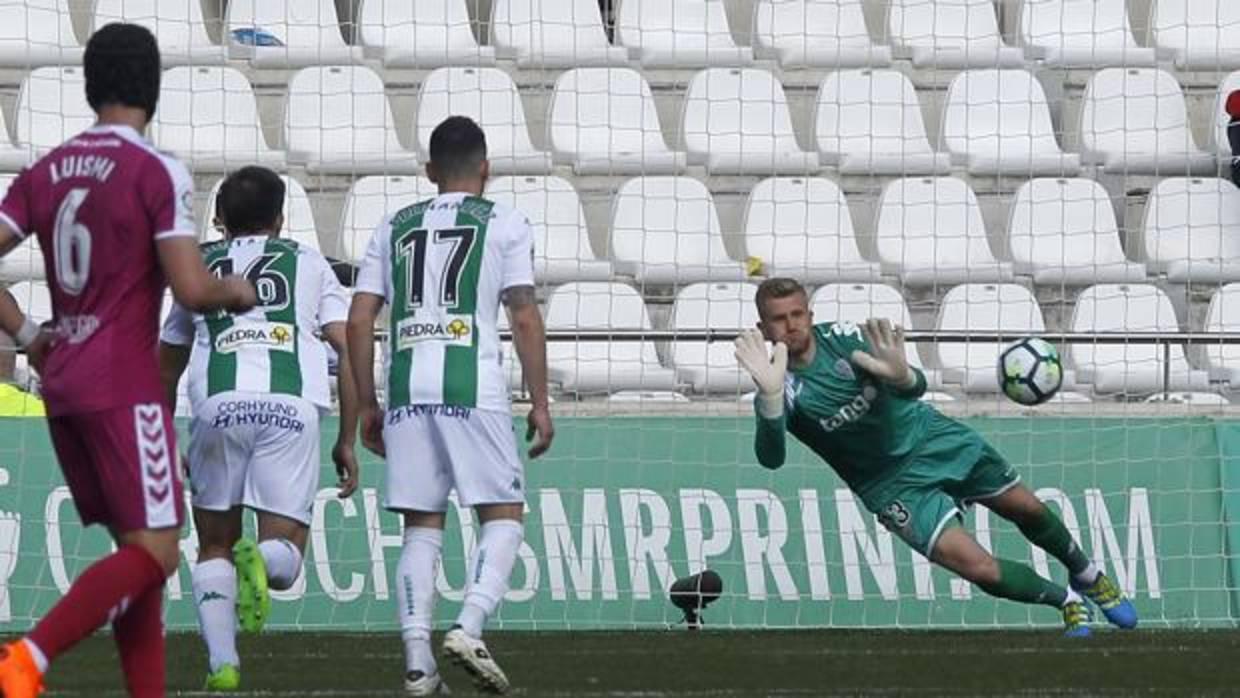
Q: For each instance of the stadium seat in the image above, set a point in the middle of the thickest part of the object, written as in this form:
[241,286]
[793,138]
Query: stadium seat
[305,32]
[604,121]
[208,116]
[298,216]
[870,122]
[12,157]
[1130,368]
[553,34]
[681,34]
[816,34]
[1063,232]
[711,367]
[338,121]
[600,366]
[562,250]
[1222,361]
[369,201]
[857,303]
[802,228]
[490,97]
[1200,34]
[930,232]
[984,308]
[34,298]
[1081,34]
[999,123]
[51,107]
[1191,230]
[950,34]
[664,230]
[1218,141]
[408,34]
[178,25]
[1134,120]
[736,120]
[40,32]
[24,262]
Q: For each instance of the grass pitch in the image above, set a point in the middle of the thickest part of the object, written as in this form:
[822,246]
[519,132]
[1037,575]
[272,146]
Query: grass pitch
[715,663]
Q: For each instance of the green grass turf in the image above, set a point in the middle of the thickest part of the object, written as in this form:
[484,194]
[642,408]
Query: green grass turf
[716,663]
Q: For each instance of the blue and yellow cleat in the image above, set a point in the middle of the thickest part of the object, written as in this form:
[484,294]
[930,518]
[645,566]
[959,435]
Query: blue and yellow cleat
[1076,618]
[1118,610]
[253,599]
[224,680]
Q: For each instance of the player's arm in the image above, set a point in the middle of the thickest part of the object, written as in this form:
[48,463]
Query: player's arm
[882,356]
[360,348]
[29,337]
[195,288]
[336,334]
[767,371]
[176,339]
[529,338]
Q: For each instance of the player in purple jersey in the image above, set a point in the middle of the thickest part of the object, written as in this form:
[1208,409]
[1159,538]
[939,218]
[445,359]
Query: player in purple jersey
[113,219]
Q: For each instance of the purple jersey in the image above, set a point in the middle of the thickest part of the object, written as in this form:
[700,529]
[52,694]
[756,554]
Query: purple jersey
[97,204]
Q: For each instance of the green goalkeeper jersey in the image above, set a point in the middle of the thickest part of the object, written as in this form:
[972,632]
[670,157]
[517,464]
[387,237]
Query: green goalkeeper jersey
[864,428]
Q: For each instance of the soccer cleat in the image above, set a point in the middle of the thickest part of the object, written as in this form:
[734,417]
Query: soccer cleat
[1076,618]
[253,599]
[1118,610]
[471,654]
[225,679]
[420,683]
[19,676]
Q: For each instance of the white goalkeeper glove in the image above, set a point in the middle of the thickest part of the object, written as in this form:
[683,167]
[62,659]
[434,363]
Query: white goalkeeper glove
[767,371]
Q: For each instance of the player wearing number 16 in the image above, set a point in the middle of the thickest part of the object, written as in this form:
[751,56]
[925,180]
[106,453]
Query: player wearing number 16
[848,393]
[113,219]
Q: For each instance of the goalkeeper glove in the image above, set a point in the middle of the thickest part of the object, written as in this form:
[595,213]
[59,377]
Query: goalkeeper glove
[767,371]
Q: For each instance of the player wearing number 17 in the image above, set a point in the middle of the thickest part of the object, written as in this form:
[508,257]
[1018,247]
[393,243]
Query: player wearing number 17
[113,219]
[850,396]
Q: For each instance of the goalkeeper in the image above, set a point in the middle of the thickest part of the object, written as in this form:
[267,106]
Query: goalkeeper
[849,394]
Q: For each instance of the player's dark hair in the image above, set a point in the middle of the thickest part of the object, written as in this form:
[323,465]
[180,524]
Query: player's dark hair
[122,66]
[777,287]
[458,147]
[250,200]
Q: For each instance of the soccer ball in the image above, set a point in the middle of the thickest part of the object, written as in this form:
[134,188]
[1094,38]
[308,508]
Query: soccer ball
[1030,371]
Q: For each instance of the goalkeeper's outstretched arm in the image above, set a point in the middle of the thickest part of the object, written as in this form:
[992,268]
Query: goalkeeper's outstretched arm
[768,442]
[768,371]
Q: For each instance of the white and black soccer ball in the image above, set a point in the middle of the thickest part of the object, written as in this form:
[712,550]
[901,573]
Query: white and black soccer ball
[1030,371]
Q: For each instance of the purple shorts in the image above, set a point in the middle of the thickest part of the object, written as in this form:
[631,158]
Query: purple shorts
[121,466]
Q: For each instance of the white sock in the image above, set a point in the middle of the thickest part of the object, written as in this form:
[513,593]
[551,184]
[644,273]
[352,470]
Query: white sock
[40,659]
[489,568]
[1072,597]
[215,597]
[1087,576]
[415,595]
[283,561]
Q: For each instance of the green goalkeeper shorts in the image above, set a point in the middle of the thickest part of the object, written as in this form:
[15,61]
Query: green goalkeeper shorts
[953,467]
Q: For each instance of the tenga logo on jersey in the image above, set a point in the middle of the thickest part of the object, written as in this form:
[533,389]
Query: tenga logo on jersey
[269,335]
[851,412]
[453,331]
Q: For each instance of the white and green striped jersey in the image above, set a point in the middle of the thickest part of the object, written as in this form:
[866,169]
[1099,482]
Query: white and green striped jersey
[272,348]
[441,265]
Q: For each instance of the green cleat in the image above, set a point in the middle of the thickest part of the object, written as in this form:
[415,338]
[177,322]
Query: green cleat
[1108,597]
[225,679]
[253,599]
[1076,618]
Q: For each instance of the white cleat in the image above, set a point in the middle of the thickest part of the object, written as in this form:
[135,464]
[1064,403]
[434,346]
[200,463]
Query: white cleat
[472,655]
[418,683]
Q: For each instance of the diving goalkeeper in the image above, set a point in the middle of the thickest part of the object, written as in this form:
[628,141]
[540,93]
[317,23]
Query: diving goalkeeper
[849,394]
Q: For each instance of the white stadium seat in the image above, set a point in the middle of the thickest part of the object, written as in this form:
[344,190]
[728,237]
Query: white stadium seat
[1134,120]
[681,34]
[816,34]
[999,123]
[600,366]
[562,250]
[338,121]
[1223,360]
[24,262]
[665,230]
[308,31]
[1081,34]
[1063,233]
[1218,141]
[1129,368]
[870,122]
[51,108]
[553,34]
[1191,230]
[208,116]
[37,32]
[950,34]
[408,34]
[802,228]
[178,25]
[369,201]
[930,231]
[490,97]
[984,308]
[604,121]
[711,367]
[298,216]
[12,157]
[1200,34]
[34,298]
[737,121]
